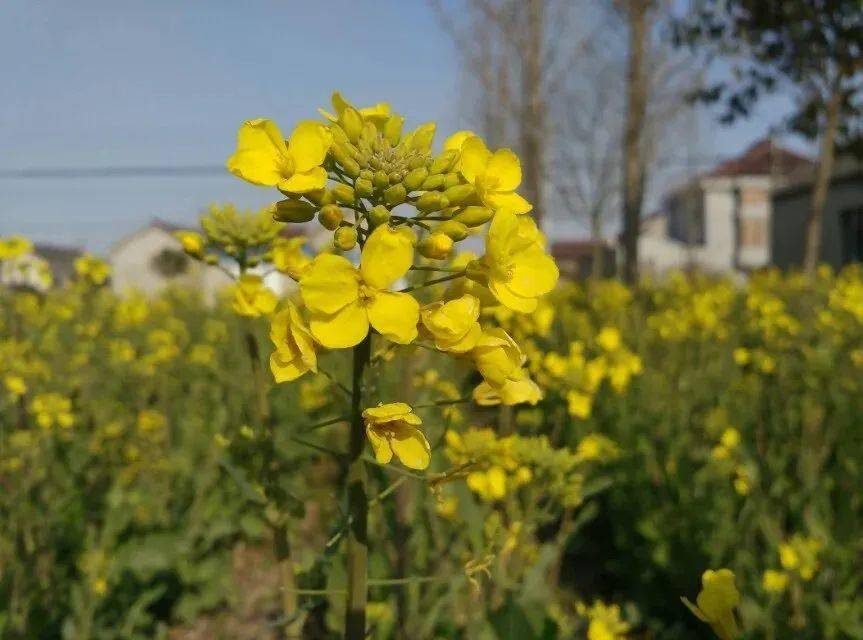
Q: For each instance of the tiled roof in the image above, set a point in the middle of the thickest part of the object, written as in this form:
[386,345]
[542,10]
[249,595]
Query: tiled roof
[761,159]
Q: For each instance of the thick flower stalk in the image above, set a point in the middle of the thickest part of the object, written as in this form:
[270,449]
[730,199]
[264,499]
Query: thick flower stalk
[396,210]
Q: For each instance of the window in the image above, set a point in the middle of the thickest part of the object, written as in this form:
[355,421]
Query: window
[752,232]
[852,235]
[685,221]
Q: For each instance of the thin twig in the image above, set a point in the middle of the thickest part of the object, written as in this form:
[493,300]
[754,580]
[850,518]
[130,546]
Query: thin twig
[429,283]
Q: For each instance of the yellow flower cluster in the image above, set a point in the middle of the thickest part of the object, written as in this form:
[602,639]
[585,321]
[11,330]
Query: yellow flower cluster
[799,555]
[498,466]
[579,377]
[350,172]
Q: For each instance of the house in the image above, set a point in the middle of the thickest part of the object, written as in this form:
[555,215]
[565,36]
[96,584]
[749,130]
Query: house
[47,266]
[721,221]
[151,259]
[841,227]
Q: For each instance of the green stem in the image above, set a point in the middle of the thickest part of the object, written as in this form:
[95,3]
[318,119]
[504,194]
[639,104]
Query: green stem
[429,283]
[357,480]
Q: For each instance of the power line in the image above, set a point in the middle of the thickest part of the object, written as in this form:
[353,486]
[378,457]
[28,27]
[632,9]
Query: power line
[63,173]
[204,170]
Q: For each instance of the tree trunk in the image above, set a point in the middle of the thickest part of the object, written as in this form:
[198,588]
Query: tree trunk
[633,168]
[533,107]
[822,183]
[597,267]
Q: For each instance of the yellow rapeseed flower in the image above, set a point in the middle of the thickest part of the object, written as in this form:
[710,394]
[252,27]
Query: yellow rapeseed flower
[495,176]
[716,603]
[377,114]
[515,267]
[393,429]
[510,392]
[193,243]
[498,357]
[92,269]
[295,349]
[774,581]
[289,258]
[344,301]
[252,298]
[453,325]
[263,157]
[15,385]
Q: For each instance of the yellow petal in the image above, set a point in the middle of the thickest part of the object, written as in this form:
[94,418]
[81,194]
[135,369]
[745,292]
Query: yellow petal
[387,256]
[394,316]
[261,153]
[474,158]
[534,273]
[387,412]
[304,182]
[456,140]
[380,446]
[505,169]
[308,145]
[411,447]
[286,366]
[342,329]
[507,200]
[330,283]
[510,299]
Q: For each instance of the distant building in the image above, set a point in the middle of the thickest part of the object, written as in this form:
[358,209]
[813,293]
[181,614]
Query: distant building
[721,221]
[575,258]
[842,225]
[151,259]
[32,271]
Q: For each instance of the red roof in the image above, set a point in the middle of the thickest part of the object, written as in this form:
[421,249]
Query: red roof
[763,158]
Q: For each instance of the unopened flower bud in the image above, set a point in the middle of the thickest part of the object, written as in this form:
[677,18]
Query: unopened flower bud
[436,246]
[339,135]
[422,137]
[432,183]
[417,161]
[395,195]
[345,238]
[321,197]
[459,193]
[363,188]
[367,174]
[443,162]
[211,258]
[352,123]
[430,201]
[394,177]
[381,180]
[293,210]
[474,216]
[451,180]
[331,217]
[476,272]
[414,179]
[343,193]
[369,133]
[379,215]
[253,261]
[455,230]
[393,129]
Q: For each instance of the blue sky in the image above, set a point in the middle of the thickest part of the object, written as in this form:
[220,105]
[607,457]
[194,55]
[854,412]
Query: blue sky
[166,82]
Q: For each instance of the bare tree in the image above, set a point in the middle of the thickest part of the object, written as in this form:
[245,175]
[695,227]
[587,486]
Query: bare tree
[518,54]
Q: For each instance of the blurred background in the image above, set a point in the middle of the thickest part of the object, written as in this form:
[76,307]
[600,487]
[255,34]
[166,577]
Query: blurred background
[119,114]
